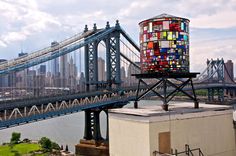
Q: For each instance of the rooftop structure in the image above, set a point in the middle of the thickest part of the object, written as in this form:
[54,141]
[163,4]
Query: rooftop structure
[150,130]
[164,42]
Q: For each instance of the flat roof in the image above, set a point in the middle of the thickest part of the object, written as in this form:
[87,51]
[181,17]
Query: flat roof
[179,110]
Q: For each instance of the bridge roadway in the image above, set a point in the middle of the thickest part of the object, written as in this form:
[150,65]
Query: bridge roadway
[21,111]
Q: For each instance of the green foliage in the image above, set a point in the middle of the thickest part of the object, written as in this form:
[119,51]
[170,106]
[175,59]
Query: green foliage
[15,138]
[46,143]
[18,149]
[55,146]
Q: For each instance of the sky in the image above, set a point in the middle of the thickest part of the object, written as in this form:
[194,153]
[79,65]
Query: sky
[30,25]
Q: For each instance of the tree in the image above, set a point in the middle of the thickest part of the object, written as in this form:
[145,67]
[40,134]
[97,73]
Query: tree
[46,143]
[55,146]
[15,138]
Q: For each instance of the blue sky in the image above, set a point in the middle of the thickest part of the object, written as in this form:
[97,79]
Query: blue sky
[32,24]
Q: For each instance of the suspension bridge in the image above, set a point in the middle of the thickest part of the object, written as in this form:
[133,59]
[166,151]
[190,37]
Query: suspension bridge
[37,89]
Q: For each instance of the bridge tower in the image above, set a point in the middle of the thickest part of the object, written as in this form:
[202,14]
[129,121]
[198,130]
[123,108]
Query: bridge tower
[215,74]
[112,45]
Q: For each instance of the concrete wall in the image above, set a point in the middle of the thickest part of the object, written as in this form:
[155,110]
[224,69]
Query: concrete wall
[128,138]
[214,134]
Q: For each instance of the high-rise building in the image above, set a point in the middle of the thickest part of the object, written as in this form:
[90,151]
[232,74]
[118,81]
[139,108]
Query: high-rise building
[55,67]
[229,72]
[82,82]
[101,69]
[123,76]
[64,70]
[3,78]
[21,76]
[72,84]
[132,70]
[31,77]
[42,70]
[55,77]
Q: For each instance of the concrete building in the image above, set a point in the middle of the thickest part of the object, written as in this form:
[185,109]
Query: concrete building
[149,130]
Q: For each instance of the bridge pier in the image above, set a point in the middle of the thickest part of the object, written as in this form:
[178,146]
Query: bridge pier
[218,92]
[92,143]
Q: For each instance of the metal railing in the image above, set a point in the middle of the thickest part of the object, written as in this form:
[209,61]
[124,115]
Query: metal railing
[188,151]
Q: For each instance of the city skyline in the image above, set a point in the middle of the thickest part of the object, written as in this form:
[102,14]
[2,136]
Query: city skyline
[32,25]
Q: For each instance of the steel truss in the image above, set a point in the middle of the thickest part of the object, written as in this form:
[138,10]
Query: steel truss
[169,89]
[112,44]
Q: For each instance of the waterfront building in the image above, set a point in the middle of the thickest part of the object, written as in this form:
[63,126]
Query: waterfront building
[150,130]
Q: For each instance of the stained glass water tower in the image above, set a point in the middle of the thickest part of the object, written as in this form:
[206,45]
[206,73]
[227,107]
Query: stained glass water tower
[164,56]
[164,44]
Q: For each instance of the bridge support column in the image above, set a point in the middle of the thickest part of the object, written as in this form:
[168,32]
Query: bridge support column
[91,63]
[87,125]
[92,144]
[97,132]
[113,57]
[107,131]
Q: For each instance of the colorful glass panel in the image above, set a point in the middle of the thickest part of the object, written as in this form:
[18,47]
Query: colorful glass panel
[164,45]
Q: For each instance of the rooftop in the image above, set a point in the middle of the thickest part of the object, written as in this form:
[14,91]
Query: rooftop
[181,110]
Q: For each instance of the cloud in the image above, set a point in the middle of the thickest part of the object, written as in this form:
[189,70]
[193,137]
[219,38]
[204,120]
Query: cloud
[23,20]
[200,51]
[36,23]
[218,20]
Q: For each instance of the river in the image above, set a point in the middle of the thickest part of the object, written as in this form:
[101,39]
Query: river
[65,130]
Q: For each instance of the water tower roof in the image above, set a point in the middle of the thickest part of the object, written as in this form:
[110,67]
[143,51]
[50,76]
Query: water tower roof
[163,16]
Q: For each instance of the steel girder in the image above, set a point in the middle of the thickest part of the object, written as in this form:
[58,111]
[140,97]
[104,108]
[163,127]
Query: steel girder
[112,44]
[215,67]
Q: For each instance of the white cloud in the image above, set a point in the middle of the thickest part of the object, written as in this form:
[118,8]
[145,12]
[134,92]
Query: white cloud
[43,21]
[219,20]
[23,19]
[2,44]
[200,51]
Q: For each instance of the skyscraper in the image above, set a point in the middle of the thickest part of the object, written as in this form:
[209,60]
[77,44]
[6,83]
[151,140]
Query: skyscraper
[64,70]
[72,84]
[55,67]
[101,69]
[123,76]
[3,78]
[229,71]
[21,76]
